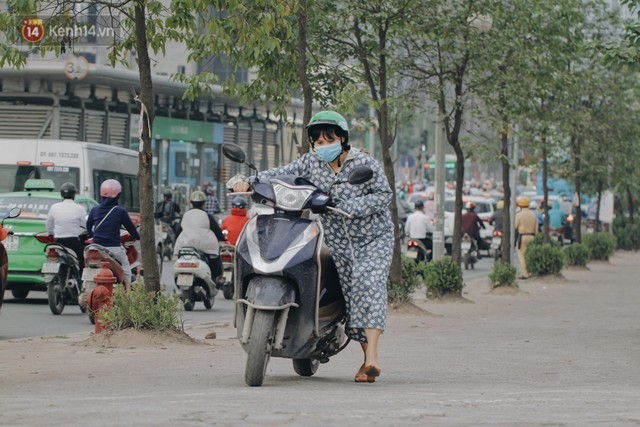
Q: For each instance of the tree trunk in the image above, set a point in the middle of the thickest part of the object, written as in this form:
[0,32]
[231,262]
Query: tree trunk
[630,204]
[457,221]
[577,169]
[147,226]
[545,188]
[307,92]
[379,98]
[506,214]
[386,142]
[598,225]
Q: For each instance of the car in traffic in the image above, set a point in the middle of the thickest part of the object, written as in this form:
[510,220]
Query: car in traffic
[25,252]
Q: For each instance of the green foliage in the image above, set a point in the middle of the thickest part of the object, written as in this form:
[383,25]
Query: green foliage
[412,274]
[601,245]
[502,274]
[442,277]
[627,235]
[545,259]
[577,254]
[538,239]
[139,309]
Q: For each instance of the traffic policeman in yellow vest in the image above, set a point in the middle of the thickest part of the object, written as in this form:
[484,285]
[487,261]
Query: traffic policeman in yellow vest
[526,229]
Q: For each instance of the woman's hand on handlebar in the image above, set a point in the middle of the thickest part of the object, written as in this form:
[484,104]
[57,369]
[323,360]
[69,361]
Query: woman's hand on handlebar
[241,187]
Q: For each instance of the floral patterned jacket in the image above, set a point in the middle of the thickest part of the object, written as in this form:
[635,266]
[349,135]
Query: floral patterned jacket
[368,202]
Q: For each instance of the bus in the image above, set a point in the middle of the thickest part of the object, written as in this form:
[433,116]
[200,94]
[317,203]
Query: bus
[85,164]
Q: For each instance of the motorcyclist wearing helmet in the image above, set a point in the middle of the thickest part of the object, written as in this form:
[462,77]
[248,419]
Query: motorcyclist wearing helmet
[104,223]
[66,220]
[167,210]
[236,221]
[471,224]
[526,229]
[419,226]
[200,230]
[361,246]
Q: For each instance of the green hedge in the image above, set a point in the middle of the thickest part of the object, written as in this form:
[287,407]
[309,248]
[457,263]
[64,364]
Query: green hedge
[577,254]
[443,277]
[627,235]
[601,245]
[545,259]
[412,275]
[502,274]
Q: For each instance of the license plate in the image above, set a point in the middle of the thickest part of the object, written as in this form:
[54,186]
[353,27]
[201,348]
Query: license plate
[184,280]
[413,254]
[228,275]
[89,274]
[11,243]
[496,241]
[466,245]
[50,267]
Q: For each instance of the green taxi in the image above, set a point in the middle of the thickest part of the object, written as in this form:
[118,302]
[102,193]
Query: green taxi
[24,250]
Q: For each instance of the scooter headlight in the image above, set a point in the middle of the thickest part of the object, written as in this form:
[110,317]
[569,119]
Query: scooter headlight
[291,199]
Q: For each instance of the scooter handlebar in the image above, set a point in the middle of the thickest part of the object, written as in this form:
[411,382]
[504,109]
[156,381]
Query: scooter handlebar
[340,211]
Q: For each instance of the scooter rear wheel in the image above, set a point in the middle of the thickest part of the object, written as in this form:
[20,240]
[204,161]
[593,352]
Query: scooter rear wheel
[189,299]
[305,367]
[56,292]
[227,290]
[259,347]
[208,302]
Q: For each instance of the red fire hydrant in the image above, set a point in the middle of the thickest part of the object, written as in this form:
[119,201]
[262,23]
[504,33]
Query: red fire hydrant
[101,296]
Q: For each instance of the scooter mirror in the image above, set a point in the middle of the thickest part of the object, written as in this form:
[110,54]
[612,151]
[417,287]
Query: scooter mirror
[14,212]
[233,152]
[360,175]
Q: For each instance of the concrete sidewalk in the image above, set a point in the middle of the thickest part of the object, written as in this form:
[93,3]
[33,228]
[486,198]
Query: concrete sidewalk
[561,352]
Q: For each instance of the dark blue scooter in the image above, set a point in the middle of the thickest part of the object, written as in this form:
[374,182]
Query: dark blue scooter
[288,297]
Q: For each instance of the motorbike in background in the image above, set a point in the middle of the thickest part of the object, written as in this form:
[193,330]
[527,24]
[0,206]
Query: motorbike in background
[61,275]
[469,248]
[168,233]
[4,260]
[289,302]
[495,248]
[557,234]
[227,255]
[417,250]
[95,255]
[193,278]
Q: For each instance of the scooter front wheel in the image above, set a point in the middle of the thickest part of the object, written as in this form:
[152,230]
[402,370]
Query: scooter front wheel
[305,367]
[259,347]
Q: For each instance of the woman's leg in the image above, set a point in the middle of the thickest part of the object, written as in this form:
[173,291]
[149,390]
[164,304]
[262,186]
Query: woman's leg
[370,348]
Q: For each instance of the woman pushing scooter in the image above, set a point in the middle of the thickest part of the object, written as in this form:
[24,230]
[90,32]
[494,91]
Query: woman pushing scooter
[361,245]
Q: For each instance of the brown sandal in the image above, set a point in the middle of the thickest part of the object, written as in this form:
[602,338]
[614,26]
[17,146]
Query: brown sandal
[362,377]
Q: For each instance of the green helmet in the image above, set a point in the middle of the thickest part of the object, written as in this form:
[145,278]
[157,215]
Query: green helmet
[328,118]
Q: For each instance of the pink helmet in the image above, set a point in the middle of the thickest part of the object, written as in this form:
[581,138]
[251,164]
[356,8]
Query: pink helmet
[110,188]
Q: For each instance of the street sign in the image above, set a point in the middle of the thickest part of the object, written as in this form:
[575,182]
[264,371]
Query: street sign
[76,68]
[407,161]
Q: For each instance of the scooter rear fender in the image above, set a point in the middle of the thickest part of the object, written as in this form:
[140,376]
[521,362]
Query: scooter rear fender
[270,293]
